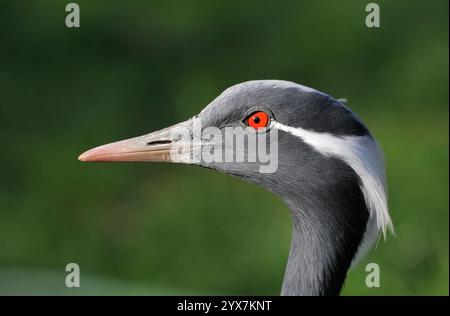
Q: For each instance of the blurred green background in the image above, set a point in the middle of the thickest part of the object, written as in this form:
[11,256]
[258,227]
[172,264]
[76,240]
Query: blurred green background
[137,66]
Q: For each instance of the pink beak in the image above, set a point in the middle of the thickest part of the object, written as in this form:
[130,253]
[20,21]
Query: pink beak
[157,147]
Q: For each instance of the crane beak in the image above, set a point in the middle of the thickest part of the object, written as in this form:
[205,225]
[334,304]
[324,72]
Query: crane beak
[160,146]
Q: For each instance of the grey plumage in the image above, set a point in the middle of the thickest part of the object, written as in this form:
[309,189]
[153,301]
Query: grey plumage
[328,211]
[328,193]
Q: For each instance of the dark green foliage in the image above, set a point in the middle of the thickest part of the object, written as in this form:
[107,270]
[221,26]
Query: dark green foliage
[138,66]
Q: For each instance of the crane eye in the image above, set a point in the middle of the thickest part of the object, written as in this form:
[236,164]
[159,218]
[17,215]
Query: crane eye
[258,120]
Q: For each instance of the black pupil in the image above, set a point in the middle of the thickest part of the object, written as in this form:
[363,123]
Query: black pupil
[256,119]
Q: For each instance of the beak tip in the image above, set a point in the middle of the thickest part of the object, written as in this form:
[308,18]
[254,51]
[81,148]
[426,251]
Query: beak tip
[83,157]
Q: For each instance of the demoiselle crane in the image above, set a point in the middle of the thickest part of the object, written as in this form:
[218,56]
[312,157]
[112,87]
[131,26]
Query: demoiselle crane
[329,170]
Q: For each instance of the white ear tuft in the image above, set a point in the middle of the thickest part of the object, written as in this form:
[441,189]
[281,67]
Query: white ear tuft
[364,156]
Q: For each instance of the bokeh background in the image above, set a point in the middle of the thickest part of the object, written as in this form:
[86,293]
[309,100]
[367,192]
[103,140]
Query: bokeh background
[137,66]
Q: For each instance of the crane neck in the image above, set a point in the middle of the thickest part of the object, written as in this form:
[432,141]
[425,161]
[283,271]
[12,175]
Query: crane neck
[325,239]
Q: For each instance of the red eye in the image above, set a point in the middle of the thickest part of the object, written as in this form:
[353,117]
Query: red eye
[258,120]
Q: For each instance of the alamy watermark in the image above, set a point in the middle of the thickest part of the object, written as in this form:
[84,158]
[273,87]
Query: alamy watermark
[373,18]
[211,145]
[73,18]
[73,277]
[373,277]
